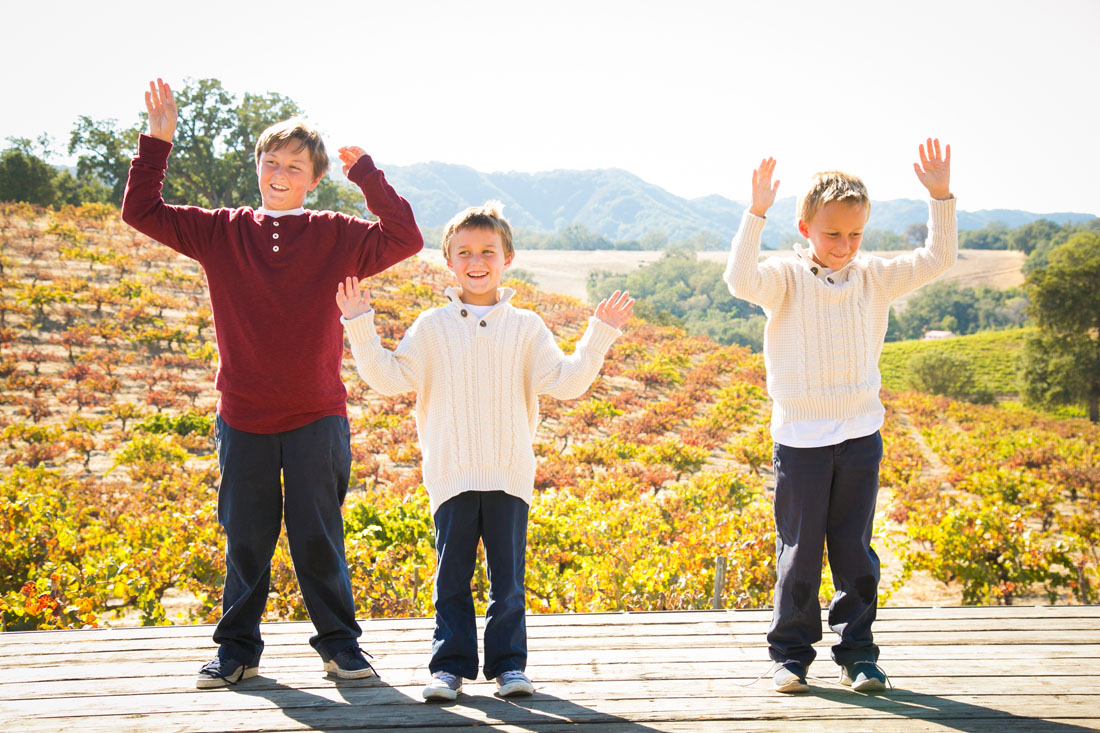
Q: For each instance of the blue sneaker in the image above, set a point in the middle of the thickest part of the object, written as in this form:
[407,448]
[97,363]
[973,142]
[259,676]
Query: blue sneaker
[223,670]
[865,676]
[791,677]
[350,664]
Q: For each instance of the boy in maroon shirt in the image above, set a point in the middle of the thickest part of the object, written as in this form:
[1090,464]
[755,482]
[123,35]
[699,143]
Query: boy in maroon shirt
[282,412]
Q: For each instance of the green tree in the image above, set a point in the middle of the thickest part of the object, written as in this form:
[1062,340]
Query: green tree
[105,150]
[26,177]
[213,158]
[932,304]
[1062,365]
[331,195]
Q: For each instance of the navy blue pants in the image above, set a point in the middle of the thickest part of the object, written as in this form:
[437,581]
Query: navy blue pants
[314,463]
[825,497]
[499,520]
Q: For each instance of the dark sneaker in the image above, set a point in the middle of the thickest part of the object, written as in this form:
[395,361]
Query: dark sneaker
[223,670]
[350,664]
[863,676]
[791,677]
[514,684]
[444,686]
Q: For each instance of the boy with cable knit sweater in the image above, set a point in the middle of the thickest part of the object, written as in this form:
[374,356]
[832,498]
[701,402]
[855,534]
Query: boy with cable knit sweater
[827,313]
[478,365]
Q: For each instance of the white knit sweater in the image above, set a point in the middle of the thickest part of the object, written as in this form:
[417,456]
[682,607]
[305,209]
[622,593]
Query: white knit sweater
[477,382]
[822,342]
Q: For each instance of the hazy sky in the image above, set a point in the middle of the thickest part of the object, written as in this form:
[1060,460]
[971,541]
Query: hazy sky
[687,94]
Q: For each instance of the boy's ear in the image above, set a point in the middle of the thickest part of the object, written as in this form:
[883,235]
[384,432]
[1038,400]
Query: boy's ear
[315,182]
[803,229]
[508,260]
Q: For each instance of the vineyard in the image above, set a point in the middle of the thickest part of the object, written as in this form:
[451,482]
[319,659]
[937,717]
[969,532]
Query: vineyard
[108,493]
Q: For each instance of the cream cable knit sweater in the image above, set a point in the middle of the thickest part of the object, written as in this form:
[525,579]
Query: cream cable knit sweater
[822,342]
[477,382]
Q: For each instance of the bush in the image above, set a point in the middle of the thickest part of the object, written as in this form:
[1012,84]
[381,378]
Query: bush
[942,373]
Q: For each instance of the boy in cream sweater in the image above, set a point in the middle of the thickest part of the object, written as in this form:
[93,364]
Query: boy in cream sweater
[478,365]
[827,313]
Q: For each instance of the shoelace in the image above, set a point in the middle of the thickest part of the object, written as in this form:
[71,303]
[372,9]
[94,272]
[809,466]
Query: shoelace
[350,651]
[210,673]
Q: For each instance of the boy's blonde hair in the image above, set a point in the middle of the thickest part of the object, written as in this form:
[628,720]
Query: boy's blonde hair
[487,216]
[282,133]
[829,186]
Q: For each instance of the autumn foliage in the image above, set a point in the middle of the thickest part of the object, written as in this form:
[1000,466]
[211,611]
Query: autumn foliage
[109,488]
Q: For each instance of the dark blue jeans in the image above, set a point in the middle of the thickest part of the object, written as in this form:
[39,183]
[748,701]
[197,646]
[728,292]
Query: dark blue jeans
[825,497]
[314,464]
[500,521]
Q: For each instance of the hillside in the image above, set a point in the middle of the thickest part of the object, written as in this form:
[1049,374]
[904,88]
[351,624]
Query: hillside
[992,355]
[108,500]
[621,206]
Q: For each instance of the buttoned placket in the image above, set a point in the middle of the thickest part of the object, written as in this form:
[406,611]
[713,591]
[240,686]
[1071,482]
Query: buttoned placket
[275,248]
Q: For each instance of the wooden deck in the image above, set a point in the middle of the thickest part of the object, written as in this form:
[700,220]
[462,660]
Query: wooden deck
[954,669]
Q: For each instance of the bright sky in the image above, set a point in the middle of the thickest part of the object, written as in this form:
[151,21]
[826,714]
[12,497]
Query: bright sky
[687,94]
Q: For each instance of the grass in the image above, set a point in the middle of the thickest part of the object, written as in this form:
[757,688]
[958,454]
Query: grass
[993,354]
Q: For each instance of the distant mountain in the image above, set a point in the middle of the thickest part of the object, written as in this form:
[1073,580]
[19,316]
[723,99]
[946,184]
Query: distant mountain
[620,205]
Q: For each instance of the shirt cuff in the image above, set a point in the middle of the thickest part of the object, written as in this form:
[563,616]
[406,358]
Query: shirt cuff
[154,150]
[941,212]
[598,336]
[361,328]
[750,229]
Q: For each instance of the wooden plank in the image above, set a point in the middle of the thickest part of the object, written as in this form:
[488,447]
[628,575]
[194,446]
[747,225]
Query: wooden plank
[386,707]
[635,619]
[28,644]
[621,680]
[955,669]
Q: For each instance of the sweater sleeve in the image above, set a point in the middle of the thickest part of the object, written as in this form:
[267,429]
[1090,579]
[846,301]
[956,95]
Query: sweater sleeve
[746,279]
[568,377]
[186,229]
[395,236]
[386,372]
[903,274]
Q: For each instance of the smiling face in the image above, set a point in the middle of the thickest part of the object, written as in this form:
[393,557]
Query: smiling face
[285,176]
[478,260]
[835,232]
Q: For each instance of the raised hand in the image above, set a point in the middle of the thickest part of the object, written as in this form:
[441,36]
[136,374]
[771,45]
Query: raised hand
[934,169]
[763,190]
[353,299]
[162,111]
[615,310]
[349,156]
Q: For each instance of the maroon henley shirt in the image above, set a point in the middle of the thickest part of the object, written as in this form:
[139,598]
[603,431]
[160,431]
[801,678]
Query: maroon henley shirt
[272,285]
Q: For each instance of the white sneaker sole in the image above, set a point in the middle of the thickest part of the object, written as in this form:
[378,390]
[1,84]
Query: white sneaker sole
[792,685]
[441,693]
[206,682]
[868,684]
[348,674]
[519,688]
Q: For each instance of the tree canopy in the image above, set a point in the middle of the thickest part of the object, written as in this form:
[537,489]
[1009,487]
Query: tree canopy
[213,161]
[1062,363]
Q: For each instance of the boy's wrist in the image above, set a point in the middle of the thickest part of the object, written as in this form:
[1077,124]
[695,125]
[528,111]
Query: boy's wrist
[760,211]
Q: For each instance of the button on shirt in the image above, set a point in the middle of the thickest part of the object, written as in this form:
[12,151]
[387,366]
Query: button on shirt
[275,214]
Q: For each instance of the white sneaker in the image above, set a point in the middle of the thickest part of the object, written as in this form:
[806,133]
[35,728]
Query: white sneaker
[514,684]
[444,686]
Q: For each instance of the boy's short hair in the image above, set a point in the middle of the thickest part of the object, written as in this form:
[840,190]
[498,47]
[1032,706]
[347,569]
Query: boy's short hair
[282,133]
[829,186]
[487,216]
